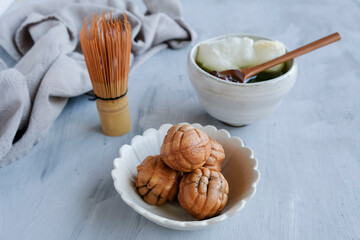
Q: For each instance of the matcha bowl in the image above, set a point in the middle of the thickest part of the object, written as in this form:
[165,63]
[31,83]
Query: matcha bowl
[239,104]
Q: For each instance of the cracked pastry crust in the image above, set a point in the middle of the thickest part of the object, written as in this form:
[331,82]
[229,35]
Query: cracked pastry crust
[185,148]
[203,193]
[156,182]
[217,156]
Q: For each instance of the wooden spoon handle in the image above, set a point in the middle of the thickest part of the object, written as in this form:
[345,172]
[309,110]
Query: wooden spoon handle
[249,72]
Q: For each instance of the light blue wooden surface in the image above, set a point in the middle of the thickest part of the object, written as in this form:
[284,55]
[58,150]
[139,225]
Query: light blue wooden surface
[308,150]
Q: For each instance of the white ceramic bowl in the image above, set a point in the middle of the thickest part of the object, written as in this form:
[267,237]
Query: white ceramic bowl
[239,168]
[235,103]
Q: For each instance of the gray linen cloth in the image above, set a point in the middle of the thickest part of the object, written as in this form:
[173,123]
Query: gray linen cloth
[50,68]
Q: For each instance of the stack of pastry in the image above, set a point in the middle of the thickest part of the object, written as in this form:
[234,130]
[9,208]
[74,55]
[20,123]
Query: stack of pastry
[188,167]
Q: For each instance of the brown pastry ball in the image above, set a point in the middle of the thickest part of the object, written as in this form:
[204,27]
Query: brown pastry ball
[217,156]
[156,182]
[185,148]
[203,193]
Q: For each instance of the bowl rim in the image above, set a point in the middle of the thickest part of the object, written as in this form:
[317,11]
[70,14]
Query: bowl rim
[191,59]
[195,224]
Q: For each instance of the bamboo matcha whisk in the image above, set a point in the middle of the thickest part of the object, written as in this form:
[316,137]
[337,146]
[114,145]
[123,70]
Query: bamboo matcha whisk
[106,47]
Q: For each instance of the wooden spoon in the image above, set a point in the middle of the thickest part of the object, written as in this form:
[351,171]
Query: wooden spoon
[244,74]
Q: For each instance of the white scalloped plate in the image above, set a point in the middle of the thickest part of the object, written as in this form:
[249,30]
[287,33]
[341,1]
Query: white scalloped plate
[239,168]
